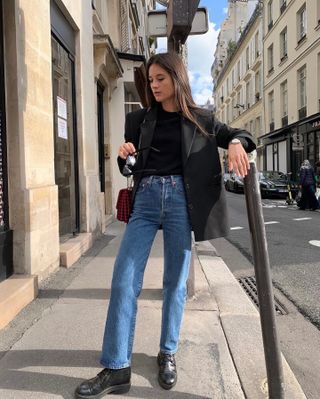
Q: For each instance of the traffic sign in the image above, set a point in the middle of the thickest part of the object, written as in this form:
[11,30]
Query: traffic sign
[157,23]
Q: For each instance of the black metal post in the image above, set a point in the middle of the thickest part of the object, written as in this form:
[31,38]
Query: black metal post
[180,16]
[264,284]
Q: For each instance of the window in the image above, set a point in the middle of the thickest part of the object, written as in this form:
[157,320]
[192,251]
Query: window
[258,126]
[271,109]
[270,58]
[302,91]
[257,85]
[233,110]
[283,5]
[270,15]
[284,102]
[251,127]
[239,101]
[283,44]
[232,79]
[238,71]
[302,23]
[256,45]
[247,59]
[318,74]
[248,93]
[318,13]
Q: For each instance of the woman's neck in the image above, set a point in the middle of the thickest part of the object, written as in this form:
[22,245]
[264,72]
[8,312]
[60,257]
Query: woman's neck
[169,106]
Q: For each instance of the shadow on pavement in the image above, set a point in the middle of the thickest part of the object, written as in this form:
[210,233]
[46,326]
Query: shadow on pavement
[16,373]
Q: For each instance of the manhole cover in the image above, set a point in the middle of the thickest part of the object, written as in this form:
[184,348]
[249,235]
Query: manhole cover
[250,287]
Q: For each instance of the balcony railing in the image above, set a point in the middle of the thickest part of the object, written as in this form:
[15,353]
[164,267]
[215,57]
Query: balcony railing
[284,121]
[302,112]
[283,7]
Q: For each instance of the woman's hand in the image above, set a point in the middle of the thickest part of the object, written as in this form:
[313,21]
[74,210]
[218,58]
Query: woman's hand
[125,150]
[238,159]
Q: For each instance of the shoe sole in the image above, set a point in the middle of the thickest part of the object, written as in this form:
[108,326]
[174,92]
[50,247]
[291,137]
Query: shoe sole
[116,390]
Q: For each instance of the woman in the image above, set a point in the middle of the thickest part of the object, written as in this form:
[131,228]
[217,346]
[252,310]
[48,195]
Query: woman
[308,187]
[177,187]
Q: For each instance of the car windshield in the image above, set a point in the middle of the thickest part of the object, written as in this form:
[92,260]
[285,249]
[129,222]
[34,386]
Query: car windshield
[271,175]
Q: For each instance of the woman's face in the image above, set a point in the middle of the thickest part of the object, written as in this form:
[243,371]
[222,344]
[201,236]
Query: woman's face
[161,84]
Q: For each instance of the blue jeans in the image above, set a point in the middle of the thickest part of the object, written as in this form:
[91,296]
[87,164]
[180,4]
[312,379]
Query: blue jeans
[159,201]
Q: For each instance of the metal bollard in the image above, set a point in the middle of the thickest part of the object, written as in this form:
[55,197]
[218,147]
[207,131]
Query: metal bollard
[264,283]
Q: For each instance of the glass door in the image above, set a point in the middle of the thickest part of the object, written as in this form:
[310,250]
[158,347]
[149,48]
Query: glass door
[66,173]
[6,244]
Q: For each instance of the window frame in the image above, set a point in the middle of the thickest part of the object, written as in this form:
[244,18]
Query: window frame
[284,44]
[302,23]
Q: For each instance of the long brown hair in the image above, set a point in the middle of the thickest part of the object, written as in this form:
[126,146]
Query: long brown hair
[173,64]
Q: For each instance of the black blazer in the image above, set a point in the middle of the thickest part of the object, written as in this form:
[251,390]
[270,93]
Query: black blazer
[201,165]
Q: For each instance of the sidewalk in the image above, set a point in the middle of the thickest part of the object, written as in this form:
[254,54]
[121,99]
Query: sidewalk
[220,354]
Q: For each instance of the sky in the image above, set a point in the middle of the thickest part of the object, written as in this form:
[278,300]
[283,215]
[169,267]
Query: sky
[201,50]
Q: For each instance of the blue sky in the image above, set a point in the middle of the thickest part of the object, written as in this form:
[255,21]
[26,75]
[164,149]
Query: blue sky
[201,50]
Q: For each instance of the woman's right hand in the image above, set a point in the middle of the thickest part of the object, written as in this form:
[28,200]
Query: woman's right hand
[125,150]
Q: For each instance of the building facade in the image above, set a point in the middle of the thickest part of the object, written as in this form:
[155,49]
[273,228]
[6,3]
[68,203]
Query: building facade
[238,86]
[66,83]
[291,84]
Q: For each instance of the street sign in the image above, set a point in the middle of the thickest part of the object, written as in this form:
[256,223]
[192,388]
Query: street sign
[157,23]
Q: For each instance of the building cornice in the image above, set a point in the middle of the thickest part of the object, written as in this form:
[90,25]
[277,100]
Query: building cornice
[256,14]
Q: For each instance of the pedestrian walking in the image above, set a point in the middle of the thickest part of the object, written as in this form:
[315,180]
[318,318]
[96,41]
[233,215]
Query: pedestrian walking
[308,198]
[178,187]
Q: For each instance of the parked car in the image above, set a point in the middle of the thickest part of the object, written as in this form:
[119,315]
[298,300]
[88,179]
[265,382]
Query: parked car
[275,184]
[234,183]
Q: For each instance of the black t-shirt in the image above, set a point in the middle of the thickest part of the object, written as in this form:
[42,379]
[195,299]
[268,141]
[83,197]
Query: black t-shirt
[167,139]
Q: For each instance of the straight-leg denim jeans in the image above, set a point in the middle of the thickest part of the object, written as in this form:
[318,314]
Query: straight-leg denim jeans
[159,201]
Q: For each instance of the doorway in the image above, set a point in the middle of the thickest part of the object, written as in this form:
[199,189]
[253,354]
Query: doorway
[6,241]
[65,143]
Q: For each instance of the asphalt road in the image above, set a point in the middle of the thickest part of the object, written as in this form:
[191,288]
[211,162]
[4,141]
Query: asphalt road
[295,263]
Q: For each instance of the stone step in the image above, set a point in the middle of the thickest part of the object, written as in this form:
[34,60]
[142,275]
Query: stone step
[73,249]
[15,293]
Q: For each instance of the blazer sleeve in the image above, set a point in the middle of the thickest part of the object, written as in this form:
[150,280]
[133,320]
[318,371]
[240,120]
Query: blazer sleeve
[224,134]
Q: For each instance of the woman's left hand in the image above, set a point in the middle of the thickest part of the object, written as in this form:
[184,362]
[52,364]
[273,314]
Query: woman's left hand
[238,159]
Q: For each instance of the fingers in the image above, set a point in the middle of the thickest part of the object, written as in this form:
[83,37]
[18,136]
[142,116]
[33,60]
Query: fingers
[125,150]
[238,161]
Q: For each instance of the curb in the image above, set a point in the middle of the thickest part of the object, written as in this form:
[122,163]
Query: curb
[240,322]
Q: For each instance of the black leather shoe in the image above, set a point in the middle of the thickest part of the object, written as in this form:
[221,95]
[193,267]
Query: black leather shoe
[167,370]
[107,381]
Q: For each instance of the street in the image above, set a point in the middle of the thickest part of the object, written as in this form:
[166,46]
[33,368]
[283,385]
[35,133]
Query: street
[292,237]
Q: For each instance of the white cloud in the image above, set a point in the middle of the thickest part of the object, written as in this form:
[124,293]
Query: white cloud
[200,58]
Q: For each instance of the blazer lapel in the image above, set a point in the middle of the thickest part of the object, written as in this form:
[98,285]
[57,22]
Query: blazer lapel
[188,135]
[146,133]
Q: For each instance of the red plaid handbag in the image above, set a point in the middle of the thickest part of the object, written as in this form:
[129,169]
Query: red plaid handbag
[124,203]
